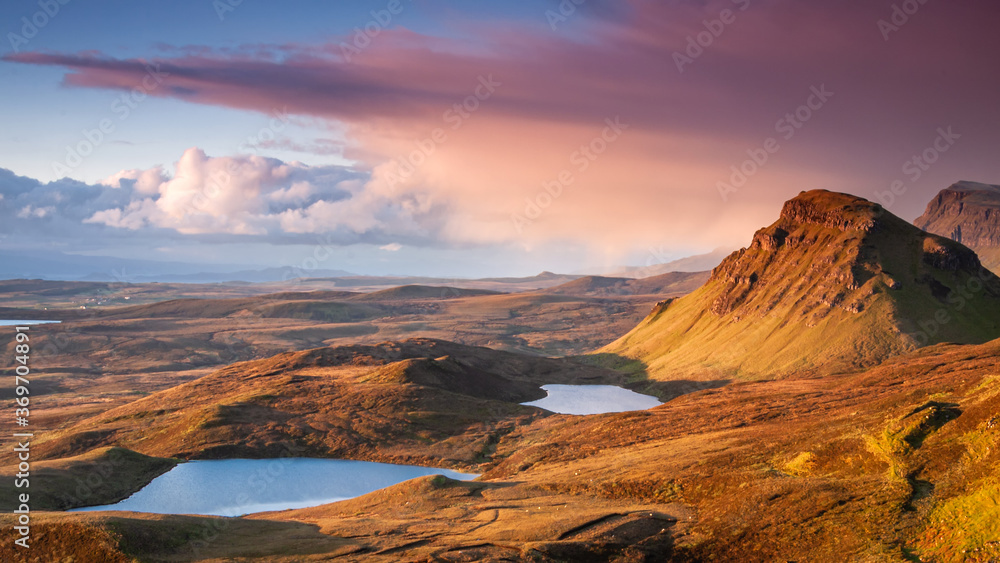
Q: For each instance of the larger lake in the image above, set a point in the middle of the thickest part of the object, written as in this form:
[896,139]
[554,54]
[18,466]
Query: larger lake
[592,399]
[233,487]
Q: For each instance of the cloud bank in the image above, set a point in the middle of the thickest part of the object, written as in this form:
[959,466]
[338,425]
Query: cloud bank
[214,199]
[511,138]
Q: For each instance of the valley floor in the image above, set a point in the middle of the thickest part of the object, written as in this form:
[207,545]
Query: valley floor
[896,463]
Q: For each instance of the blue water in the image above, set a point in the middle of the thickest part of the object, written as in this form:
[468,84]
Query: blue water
[233,487]
[26,323]
[592,399]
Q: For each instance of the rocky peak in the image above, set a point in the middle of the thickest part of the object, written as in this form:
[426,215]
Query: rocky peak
[836,245]
[832,210]
[800,226]
[969,213]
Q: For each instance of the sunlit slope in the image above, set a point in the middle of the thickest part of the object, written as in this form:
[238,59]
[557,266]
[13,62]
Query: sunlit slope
[836,282]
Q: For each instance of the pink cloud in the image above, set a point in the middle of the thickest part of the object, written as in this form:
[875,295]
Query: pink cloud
[657,182]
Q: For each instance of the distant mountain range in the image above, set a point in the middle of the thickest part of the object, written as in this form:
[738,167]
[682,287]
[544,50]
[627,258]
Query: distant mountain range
[696,263]
[59,266]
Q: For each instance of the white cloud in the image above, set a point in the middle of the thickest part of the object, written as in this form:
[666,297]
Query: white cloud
[142,181]
[229,199]
[299,191]
[133,217]
[28,212]
[392,247]
[264,197]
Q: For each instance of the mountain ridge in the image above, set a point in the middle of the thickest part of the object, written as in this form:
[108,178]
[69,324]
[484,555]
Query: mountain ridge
[969,213]
[836,280]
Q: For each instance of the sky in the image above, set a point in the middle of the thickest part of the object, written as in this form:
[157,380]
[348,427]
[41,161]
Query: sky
[432,137]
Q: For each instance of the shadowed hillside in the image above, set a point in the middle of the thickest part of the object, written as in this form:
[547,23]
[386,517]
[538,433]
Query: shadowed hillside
[100,476]
[967,212]
[837,282]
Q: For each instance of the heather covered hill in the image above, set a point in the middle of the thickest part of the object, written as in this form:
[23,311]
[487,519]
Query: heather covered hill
[837,282]
[113,473]
[671,284]
[897,463]
[420,401]
[967,212]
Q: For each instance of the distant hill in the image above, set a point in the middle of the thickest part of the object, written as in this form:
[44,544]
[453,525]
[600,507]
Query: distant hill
[330,306]
[265,275]
[672,284]
[544,277]
[421,292]
[592,285]
[967,212]
[837,282]
[420,400]
[59,266]
[374,283]
[697,263]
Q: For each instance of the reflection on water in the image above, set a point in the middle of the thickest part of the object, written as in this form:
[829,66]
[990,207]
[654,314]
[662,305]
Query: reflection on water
[592,399]
[233,487]
[26,323]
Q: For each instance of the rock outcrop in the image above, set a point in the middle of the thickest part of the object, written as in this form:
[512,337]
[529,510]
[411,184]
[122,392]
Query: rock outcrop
[969,213]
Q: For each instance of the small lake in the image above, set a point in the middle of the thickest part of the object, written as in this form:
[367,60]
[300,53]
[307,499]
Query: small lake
[26,323]
[233,487]
[592,399]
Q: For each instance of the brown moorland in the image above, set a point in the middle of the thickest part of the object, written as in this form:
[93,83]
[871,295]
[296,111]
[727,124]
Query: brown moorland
[895,463]
[108,356]
[420,401]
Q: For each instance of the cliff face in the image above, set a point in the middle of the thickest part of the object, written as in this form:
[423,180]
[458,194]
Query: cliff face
[835,281]
[834,252]
[969,213]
